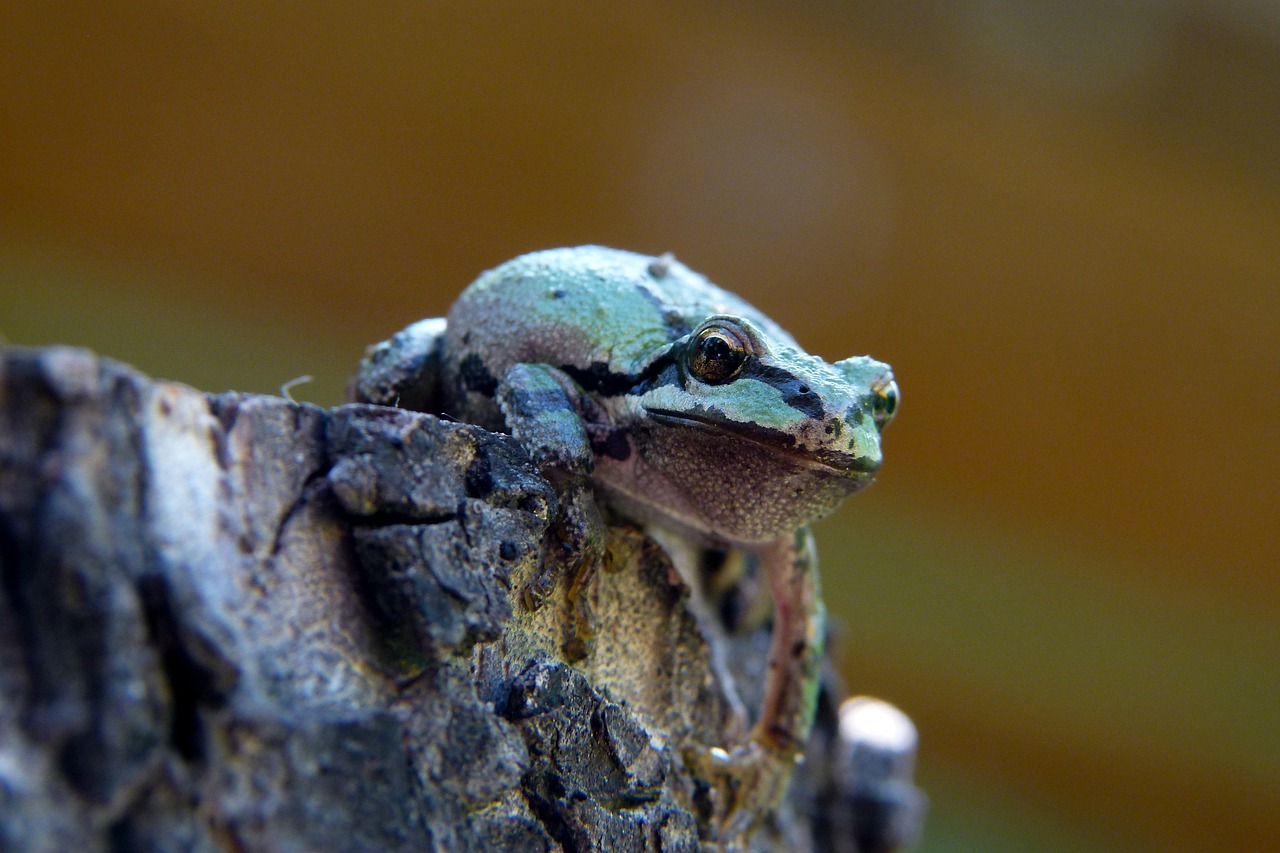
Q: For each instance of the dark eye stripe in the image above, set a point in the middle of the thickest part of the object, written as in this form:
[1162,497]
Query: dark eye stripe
[795,392]
[599,379]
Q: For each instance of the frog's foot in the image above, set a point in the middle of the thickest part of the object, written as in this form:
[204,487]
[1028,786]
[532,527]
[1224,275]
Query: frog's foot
[538,588]
[580,632]
[579,567]
[561,557]
[755,778]
[575,545]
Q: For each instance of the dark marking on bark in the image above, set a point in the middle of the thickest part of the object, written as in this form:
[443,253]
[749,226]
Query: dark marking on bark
[190,684]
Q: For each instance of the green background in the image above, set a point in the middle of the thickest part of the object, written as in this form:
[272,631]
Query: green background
[1059,222]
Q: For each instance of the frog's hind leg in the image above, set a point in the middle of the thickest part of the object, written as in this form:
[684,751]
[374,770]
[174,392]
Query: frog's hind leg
[404,371]
[797,645]
[761,769]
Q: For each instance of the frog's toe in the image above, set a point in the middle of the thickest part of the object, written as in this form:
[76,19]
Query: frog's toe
[538,589]
[755,779]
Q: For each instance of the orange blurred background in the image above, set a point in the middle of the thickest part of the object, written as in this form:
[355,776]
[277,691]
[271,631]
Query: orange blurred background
[1059,221]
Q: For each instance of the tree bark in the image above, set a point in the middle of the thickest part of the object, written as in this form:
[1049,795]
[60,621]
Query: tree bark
[233,622]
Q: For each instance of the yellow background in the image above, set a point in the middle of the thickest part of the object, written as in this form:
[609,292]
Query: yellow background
[1059,221]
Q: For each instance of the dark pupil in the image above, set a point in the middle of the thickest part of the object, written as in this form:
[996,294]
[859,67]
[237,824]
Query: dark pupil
[716,348]
[717,358]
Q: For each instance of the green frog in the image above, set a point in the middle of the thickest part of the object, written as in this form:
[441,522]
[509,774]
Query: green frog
[636,383]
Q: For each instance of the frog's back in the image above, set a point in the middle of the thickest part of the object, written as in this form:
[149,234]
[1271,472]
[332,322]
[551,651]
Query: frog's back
[562,306]
[588,307]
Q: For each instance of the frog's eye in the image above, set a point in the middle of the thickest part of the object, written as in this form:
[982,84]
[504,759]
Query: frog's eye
[717,355]
[886,401]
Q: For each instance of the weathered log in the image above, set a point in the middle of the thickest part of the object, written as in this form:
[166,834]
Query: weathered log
[233,622]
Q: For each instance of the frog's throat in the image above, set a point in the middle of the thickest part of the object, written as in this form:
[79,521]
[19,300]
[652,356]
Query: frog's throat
[829,461]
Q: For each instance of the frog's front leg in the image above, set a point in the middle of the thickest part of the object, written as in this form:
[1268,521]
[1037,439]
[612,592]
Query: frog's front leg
[548,414]
[762,768]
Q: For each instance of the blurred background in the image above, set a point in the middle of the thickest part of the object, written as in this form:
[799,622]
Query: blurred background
[1058,220]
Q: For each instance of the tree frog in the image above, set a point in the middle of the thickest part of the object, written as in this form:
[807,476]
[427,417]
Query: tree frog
[634,379]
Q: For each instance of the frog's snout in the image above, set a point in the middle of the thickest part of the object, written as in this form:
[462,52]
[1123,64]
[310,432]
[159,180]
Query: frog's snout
[882,399]
[862,434]
[851,440]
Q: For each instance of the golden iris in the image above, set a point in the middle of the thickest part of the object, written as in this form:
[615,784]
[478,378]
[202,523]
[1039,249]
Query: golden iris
[717,356]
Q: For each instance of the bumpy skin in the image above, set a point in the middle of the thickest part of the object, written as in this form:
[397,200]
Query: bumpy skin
[688,410]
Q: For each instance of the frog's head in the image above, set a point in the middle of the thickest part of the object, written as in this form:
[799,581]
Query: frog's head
[758,436]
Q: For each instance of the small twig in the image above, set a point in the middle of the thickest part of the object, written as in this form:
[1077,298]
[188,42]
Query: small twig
[287,387]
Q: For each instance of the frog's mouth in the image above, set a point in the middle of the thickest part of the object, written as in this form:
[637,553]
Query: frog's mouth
[775,442]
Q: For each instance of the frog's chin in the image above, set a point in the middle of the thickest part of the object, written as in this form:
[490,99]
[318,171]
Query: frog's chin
[738,501]
[726,485]
[831,462]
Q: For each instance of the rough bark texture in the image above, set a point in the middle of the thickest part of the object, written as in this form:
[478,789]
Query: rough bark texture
[234,622]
